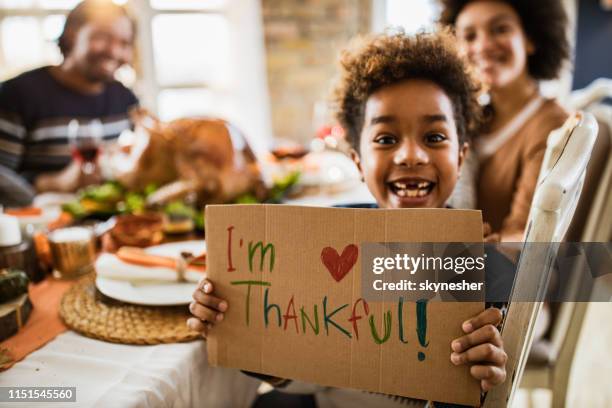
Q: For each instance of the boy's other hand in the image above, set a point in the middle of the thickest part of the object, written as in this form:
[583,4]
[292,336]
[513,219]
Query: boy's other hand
[488,234]
[206,308]
[482,348]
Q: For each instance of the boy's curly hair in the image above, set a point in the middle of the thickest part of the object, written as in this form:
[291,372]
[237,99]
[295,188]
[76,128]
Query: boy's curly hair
[373,62]
[544,23]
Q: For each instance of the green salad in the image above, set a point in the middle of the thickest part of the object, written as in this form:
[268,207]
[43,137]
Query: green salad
[111,198]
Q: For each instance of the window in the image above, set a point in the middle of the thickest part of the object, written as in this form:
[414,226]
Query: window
[189,43]
[411,15]
[200,42]
[195,57]
[206,57]
[36,24]
[188,4]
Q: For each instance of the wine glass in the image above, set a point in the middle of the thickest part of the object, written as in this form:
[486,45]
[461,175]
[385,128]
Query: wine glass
[85,141]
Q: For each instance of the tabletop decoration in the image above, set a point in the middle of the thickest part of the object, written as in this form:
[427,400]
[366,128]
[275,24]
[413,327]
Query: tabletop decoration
[15,305]
[43,324]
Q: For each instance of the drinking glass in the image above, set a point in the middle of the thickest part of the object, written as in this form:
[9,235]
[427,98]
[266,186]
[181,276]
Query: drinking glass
[85,141]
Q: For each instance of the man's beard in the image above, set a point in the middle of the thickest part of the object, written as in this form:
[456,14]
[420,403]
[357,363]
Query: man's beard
[95,74]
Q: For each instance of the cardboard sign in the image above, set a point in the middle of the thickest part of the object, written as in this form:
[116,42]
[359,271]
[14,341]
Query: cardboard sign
[291,276]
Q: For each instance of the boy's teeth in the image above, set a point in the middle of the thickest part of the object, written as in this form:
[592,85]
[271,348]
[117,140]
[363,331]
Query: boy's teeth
[422,184]
[412,190]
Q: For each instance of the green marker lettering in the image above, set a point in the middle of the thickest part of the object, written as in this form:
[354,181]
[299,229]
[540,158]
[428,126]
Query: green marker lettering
[249,283]
[263,250]
[327,318]
[400,312]
[271,306]
[421,312]
[387,327]
[305,318]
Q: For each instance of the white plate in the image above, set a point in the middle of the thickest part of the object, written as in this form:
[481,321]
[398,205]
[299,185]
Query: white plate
[166,294]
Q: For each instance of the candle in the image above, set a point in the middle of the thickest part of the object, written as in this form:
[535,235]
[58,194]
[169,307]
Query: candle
[10,234]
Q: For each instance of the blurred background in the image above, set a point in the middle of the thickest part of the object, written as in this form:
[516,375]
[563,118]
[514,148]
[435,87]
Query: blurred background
[265,65]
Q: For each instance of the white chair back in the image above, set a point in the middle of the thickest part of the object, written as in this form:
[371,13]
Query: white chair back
[556,196]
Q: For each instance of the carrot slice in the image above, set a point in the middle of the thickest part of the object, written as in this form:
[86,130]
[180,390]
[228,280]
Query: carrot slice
[137,256]
[24,211]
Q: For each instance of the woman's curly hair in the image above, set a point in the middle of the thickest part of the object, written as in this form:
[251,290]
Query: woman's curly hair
[544,23]
[373,62]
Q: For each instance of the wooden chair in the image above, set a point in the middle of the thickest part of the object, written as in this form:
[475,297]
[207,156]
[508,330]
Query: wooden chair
[554,203]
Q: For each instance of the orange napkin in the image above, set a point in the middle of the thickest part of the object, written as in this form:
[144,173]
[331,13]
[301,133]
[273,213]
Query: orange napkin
[44,323]
[138,256]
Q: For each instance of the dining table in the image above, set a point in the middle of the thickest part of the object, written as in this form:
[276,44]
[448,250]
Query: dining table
[175,375]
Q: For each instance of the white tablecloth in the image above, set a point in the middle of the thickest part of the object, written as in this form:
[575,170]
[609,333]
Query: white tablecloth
[114,375]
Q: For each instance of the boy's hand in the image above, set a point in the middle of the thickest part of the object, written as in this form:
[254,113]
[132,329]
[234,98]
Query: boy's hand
[206,308]
[482,348]
[488,234]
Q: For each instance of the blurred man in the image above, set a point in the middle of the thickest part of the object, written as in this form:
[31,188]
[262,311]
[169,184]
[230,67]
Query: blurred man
[37,106]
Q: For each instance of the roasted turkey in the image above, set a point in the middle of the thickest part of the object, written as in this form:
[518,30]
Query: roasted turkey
[207,157]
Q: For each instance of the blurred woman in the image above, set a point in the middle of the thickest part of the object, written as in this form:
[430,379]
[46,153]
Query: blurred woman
[511,44]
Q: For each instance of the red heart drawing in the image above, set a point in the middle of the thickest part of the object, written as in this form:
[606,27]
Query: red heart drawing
[339,265]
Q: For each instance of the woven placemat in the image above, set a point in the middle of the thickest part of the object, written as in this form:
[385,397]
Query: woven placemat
[85,310]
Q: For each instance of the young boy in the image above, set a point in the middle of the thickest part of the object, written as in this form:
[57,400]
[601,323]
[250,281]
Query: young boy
[408,107]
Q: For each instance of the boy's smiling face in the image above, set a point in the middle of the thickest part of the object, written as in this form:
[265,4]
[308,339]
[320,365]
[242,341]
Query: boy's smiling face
[409,153]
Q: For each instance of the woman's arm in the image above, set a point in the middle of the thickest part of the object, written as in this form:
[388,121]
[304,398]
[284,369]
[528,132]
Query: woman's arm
[531,158]
[514,224]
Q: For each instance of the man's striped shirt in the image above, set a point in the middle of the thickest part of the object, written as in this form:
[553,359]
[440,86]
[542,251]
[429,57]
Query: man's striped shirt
[35,110]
